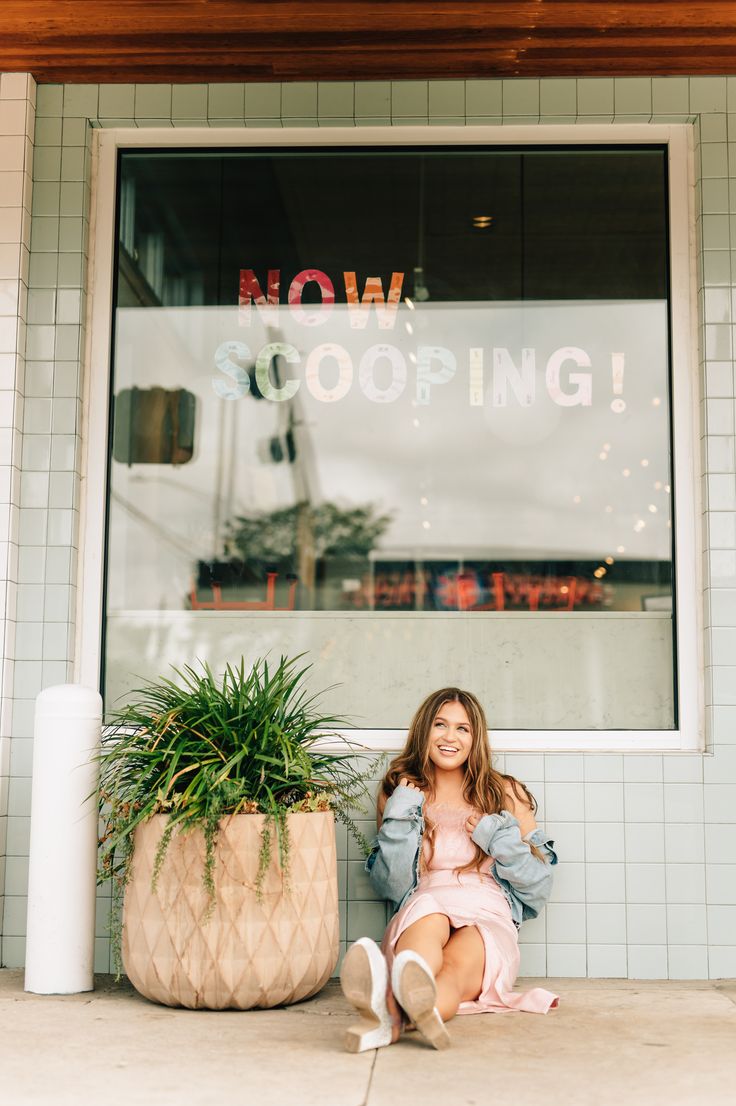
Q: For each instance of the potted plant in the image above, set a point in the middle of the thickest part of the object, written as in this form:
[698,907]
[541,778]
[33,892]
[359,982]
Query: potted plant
[219,799]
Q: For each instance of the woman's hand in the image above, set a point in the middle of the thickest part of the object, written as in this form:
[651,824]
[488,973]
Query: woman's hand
[472,822]
[404,782]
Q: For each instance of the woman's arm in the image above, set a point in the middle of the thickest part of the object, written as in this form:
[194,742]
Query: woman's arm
[392,864]
[521,810]
[503,836]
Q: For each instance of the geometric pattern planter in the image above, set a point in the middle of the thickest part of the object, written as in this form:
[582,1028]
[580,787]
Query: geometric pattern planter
[249,953]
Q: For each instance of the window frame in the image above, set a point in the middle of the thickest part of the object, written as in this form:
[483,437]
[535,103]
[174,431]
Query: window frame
[688,587]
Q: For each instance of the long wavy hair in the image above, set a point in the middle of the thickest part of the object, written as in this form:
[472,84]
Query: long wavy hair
[483,787]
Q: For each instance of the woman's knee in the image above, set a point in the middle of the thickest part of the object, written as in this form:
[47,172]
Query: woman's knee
[432,927]
[464,959]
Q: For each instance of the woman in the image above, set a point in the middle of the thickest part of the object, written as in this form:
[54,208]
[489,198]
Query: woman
[459,855]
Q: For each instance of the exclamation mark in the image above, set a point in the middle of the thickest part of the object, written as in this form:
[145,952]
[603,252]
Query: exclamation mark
[476,377]
[617,370]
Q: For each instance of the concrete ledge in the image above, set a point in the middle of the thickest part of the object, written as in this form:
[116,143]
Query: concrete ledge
[610,1041]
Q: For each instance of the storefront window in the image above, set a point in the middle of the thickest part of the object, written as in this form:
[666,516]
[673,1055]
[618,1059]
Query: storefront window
[406,410]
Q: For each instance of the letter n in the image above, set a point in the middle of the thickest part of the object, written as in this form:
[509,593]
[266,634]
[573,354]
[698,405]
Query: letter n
[250,292]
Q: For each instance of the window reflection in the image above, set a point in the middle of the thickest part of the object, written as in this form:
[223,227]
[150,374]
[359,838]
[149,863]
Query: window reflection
[390,403]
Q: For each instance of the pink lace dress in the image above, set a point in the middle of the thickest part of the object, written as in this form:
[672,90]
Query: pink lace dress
[469,898]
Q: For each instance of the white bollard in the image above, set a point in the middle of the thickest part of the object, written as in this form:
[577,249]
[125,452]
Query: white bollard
[62,873]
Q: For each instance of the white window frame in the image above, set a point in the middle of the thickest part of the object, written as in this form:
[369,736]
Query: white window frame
[685,393]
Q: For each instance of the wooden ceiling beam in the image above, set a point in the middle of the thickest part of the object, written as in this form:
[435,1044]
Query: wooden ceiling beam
[210,40]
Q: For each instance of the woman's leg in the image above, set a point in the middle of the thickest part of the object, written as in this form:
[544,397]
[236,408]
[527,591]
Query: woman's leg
[460,978]
[428,937]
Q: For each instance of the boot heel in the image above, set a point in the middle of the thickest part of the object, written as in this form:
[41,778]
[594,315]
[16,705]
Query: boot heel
[415,989]
[364,980]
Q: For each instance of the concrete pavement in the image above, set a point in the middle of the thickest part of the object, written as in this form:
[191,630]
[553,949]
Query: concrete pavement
[610,1041]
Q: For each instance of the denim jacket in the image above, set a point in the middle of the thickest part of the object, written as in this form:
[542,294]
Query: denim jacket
[393,863]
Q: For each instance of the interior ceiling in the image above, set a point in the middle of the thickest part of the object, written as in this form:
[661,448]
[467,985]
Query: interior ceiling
[237,40]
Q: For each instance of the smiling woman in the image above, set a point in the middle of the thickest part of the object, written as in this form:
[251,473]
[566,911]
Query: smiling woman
[462,872]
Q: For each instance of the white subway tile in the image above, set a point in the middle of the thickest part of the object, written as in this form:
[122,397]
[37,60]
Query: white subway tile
[607,961]
[606,923]
[646,924]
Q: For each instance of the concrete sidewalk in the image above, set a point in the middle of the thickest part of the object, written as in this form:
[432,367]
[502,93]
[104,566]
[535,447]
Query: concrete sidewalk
[610,1041]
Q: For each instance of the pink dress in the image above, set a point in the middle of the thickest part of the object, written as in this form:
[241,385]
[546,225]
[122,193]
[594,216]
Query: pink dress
[469,898]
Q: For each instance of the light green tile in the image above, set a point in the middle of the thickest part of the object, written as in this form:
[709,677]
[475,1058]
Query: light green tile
[714,159]
[116,100]
[189,101]
[46,198]
[68,348]
[75,132]
[409,98]
[715,195]
[49,99]
[483,120]
[48,131]
[126,121]
[298,100]
[66,378]
[271,122]
[373,99]
[558,96]
[373,121]
[43,270]
[335,100]
[365,919]
[41,306]
[581,120]
[44,233]
[263,101]
[226,101]
[483,98]
[71,270]
[670,94]
[302,123]
[666,118]
[447,99]
[708,94]
[153,101]
[448,121]
[68,305]
[72,234]
[340,121]
[223,123]
[71,199]
[47,163]
[520,98]
[632,95]
[73,163]
[153,122]
[411,121]
[715,232]
[81,100]
[187,121]
[713,127]
[595,96]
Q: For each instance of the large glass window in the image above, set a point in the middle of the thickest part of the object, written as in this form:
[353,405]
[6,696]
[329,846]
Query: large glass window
[406,410]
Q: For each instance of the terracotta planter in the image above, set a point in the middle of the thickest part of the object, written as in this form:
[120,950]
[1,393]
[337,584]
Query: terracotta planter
[248,954]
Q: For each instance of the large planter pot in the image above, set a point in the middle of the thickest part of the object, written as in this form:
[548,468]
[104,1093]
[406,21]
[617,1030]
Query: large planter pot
[248,953]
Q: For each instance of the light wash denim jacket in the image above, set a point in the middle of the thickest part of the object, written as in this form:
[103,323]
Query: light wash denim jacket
[393,863]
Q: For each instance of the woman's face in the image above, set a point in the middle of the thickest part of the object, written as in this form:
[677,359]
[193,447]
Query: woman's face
[450,738]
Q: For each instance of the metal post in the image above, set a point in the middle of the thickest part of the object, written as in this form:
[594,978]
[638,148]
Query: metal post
[63,851]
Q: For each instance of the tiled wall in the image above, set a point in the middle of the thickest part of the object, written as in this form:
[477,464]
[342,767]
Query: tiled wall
[647,883]
[17,109]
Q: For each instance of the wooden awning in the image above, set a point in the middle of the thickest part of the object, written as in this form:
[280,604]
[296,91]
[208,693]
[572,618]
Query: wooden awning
[226,40]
